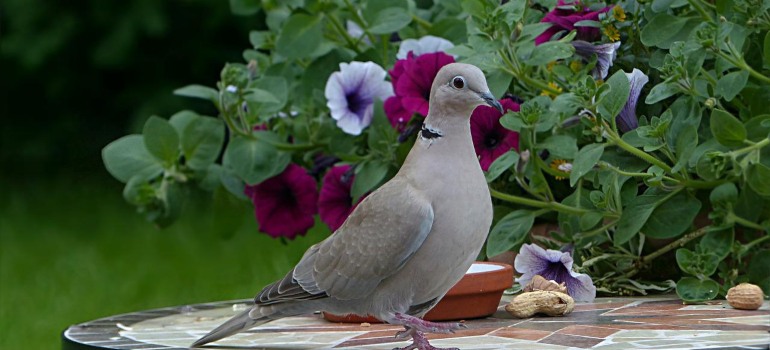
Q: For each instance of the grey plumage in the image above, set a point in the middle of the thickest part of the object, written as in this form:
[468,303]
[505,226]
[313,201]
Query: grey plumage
[408,242]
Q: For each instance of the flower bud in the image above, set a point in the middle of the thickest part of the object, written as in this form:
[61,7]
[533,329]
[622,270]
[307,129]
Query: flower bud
[710,102]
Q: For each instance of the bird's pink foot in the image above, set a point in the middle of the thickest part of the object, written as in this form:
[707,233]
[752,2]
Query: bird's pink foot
[420,342]
[418,324]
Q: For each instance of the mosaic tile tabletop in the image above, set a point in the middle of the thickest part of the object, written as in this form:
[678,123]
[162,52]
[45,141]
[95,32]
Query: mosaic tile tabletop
[607,323]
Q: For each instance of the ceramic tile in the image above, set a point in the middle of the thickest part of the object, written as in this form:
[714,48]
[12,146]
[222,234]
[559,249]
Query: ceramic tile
[611,323]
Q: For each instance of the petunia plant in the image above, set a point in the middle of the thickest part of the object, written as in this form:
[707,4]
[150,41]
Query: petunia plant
[639,128]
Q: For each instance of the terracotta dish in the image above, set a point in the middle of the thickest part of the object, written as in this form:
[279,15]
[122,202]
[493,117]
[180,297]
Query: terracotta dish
[476,295]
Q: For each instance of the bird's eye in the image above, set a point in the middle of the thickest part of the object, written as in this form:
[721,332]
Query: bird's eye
[458,82]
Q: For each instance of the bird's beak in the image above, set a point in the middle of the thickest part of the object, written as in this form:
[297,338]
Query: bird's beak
[490,100]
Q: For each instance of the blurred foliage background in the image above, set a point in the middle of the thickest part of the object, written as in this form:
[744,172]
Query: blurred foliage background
[75,75]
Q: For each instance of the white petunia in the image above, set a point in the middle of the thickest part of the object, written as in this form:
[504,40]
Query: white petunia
[426,44]
[350,94]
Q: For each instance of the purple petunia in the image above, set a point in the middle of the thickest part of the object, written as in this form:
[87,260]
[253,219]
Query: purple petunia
[350,94]
[335,202]
[553,265]
[490,138]
[627,120]
[285,204]
[412,79]
[565,15]
[605,55]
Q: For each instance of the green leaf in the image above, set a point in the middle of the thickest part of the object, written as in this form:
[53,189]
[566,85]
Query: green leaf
[694,290]
[127,157]
[514,10]
[368,176]
[180,120]
[276,86]
[731,84]
[759,179]
[588,23]
[685,144]
[758,128]
[590,219]
[672,217]
[260,96]
[258,39]
[244,7]
[760,264]
[300,37]
[724,193]
[661,29]
[612,102]
[387,20]
[498,82]
[726,129]
[161,140]
[510,232]
[198,91]
[634,216]
[254,160]
[560,146]
[766,53]
[550,51]
[718,242]
[660,92]
[452,29]
[697,264]
[584,161]
[501,164]
[202,140]
[664,5]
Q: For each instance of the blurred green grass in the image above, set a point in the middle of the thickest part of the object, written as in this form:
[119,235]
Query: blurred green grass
[73,251]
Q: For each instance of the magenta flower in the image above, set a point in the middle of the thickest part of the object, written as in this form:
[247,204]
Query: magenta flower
[285,204]
[412,78]
[553,265]
[565,15]
[490,138]
[335,202]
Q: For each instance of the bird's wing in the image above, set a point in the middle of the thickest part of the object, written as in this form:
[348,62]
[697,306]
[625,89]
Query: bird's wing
[381,234]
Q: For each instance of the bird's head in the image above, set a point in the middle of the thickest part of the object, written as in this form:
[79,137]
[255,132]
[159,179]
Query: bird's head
[460,88]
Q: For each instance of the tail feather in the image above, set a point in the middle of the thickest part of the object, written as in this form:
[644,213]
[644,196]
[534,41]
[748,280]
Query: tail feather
[238,323]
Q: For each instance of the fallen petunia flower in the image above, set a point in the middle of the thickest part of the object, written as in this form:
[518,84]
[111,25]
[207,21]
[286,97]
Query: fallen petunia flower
[553,265]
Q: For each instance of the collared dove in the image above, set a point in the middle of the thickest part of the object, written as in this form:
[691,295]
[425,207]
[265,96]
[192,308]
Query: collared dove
[408,242]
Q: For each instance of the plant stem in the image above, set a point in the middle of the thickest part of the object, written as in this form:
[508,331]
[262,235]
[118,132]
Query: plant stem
[698,7]
[742,151]
[354,11]
[635,151]
[345,35]
[744,222]
[598,230]
[665,249]
[537,204]
[423,23]
[743,65]
[512,69]
[751,244]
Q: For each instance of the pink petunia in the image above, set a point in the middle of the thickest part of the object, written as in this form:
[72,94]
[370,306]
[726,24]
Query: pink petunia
[490,138]
[412,78]
[285,204]
[564,19]
[335,202]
